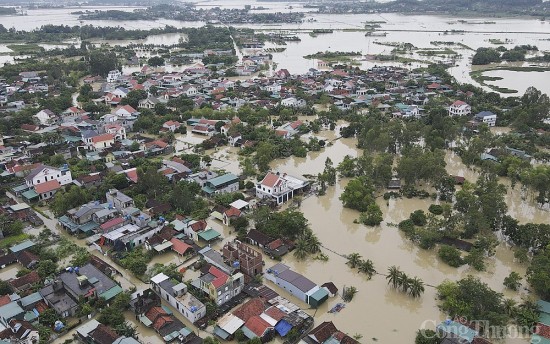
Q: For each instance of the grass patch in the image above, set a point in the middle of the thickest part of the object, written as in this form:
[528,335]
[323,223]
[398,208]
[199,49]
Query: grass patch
[433,52]
[25,49]
[13,240]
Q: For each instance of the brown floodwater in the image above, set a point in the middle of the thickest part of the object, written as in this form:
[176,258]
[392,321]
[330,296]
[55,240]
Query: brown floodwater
[378,312]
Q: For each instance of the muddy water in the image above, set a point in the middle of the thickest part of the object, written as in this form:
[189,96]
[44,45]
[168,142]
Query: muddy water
[377,311]
[9,271]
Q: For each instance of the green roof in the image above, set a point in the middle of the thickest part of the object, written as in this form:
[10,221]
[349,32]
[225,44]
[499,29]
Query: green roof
[208,189]
[544,306]
[209,235]
[22,246]
[109,294]
[544,318]
[30,194]
[318,297]
[20,188]
[145,321]
[457,329]
[220,180]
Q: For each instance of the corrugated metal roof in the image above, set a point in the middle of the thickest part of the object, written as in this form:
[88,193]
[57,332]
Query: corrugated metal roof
[230,323]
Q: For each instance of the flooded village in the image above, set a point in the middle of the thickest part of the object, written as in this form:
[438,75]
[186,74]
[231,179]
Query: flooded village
[307,177]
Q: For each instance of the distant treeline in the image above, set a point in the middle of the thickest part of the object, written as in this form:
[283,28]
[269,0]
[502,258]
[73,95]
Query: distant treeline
[485,56]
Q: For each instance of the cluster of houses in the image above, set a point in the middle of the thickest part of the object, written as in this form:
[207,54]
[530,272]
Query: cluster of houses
[31,296]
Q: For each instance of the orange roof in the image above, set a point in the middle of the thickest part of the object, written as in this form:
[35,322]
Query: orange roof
[275,313]
[281,132]
[251,308]
[48,186]
[103,137]
[270,180]
[179,246]
[257,325]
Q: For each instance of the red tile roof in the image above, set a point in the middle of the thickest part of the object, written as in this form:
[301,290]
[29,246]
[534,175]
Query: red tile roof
[275,244]
[543,330]
[162,321]
[199,226]
[253,307]
[48,186]
[179,246]
[111,223]
[30,278]
[323,332]
[275,313]
[257,325]
[103,137]
[233,212]
[221,277]
[459,103]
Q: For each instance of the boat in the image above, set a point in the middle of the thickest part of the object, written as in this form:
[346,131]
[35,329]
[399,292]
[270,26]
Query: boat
[337,308]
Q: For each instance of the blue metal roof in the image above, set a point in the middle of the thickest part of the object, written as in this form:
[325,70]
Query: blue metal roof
[283,327]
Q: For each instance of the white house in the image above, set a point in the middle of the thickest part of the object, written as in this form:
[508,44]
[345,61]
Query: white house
[117,130]
[44,173]
[148,103]
[279,187]
[293,102]
[45,117]
[460,108]
[177,296]
[100,142]
[113,75]
[189,90]
[171,125]
[486,117]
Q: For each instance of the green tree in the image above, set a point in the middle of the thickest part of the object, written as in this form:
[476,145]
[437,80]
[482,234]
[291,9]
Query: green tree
[427,336]
[155,61]
[353,260]
[5,288]
[373,215]
[418,217]
[133,97]
[512,281]
[46,268]
[538,274]
[101,63]
[416,287]
[358,194]
[450,255]
[393,276]
[48,317]
[367,267]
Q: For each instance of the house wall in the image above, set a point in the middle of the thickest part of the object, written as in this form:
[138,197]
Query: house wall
[63,177]
[287,286]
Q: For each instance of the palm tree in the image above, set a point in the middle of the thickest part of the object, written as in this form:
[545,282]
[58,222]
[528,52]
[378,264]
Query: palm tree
[403,281]
[416,287]
[393,276]
[301,249]
[510,306]
[353,260]
[367,267]
[313,243]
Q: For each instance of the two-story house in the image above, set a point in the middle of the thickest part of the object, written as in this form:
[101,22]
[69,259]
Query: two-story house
[460,108]
[486,117]
[177,296]
[279,187]
[119,200]
[220,286]
[44,173]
